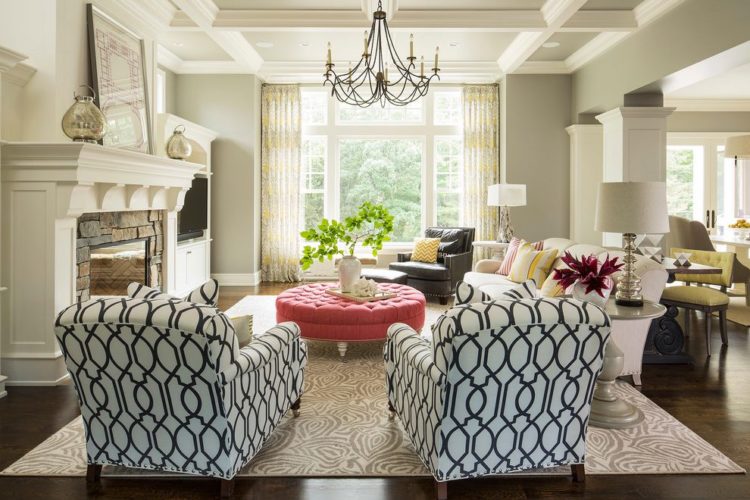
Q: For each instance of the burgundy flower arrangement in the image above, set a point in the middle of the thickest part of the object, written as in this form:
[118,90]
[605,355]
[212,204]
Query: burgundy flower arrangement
[588,272]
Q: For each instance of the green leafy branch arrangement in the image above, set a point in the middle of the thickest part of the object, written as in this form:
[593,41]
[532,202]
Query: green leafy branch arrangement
[371,226]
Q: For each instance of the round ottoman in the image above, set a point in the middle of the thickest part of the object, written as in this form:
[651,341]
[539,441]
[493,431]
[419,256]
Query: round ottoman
[321,316]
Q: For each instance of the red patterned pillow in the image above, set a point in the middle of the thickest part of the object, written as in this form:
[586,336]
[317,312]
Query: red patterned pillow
[512,251]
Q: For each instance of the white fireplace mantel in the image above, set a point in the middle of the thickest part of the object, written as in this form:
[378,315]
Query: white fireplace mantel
[93,178]
[45,188]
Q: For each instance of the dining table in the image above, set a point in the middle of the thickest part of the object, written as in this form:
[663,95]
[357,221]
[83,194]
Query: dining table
[666,340]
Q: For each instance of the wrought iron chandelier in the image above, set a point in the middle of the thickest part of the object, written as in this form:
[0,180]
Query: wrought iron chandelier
[378,77]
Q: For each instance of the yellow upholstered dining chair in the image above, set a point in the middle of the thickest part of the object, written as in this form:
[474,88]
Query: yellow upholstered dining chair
[703,298]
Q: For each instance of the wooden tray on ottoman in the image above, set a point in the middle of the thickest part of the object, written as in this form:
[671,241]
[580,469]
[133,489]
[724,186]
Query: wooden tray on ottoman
[380,295]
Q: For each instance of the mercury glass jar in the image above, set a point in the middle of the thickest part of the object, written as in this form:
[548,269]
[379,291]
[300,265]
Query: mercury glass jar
[84,121]
[178,146]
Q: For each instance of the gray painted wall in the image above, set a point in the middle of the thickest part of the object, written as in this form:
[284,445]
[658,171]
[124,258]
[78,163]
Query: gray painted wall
[691,32]
[537,151]
[229,104]
[689,121]
[170,84]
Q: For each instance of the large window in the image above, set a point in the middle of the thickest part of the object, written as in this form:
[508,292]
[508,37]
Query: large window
[408,158]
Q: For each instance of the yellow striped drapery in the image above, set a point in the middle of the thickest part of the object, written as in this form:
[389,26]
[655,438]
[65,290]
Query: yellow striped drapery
[481,157]
[281,138]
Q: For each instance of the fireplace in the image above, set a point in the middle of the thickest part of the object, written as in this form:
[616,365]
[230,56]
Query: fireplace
[113,266]
[116,248]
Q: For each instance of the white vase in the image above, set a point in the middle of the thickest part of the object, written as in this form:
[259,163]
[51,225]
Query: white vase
[350,270]
[579,293]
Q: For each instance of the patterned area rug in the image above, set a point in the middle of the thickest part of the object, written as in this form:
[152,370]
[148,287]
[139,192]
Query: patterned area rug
[344,429]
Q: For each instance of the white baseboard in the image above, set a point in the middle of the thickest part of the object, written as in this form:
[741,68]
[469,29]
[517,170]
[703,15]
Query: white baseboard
[64,380]
[237,279]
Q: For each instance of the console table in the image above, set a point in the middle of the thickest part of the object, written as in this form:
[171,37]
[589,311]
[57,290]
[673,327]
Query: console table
[497,247]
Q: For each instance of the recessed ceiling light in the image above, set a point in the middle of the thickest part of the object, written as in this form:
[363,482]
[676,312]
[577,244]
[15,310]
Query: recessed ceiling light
[551,45]
[453,44]
[264,45]
[304,44]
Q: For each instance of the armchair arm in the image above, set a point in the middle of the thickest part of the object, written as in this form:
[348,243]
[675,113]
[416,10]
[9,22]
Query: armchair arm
[261,350]
[405,345]
[459,264]
[489,266]
[404,257]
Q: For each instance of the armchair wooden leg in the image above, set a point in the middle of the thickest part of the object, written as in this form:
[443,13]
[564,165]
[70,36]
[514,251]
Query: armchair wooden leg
[723,327]
[708,318]
[295,406]
[579,473]
[443,300]
[93,473]
[441,490]
[227,487]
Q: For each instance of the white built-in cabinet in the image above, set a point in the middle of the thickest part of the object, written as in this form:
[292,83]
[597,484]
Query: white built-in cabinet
[189,262]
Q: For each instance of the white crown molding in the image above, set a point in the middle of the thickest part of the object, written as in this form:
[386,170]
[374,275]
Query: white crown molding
[650,10]
[204,13]
[600,44]
[542,68]
[311,72]
[9,59]
[156,15]
[709,105]
[634,112]
[19,75]
[168,59]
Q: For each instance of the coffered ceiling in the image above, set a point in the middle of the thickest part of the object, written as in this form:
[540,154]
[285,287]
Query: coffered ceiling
[479,40]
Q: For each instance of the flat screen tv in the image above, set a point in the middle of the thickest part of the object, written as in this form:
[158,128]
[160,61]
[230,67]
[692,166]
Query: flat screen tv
[193,218]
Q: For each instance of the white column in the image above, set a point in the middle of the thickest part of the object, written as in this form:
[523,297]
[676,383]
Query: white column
[635,148]
[9,62]
[585,175]
[169,252]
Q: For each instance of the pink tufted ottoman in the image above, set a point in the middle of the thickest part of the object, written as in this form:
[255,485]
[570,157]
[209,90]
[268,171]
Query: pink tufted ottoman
[321,316]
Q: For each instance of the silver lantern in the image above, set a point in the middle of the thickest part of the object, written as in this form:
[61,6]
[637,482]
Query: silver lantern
[178,146]
[84,121]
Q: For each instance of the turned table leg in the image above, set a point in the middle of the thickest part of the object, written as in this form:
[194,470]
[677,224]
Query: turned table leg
[342,349]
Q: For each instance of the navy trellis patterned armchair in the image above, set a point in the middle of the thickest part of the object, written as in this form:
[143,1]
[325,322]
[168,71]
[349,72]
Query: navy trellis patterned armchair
[163,385]
[501,386]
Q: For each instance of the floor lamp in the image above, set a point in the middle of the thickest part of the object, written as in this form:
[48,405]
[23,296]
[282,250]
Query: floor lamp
[504,196]
[631,208]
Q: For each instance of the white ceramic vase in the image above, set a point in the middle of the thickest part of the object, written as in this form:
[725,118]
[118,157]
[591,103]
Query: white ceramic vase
[579,293]
[350,269]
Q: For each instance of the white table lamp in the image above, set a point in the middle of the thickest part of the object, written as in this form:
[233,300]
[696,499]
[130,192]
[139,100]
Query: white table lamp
[630,208]
[504,196]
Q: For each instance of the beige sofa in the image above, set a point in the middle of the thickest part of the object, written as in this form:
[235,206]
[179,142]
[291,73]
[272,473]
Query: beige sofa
[630,336]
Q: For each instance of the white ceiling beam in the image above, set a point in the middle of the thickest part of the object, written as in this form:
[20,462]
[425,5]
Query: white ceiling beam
[203,13]
[556,13]
[709,105]
[543,68]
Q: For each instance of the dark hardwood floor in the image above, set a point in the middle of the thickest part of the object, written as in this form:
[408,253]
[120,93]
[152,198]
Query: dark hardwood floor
[712,397]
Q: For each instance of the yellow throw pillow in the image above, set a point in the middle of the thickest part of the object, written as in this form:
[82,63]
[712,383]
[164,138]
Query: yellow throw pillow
[426,250]
[551,288]
[531,264]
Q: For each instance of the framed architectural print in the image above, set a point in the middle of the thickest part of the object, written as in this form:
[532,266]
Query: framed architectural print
[118,70]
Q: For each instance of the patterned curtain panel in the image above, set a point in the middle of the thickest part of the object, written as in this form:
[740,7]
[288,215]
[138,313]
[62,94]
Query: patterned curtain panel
[281,137]
[481,158]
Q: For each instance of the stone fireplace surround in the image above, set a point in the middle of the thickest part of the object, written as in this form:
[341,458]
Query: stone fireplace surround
[101,228]
[46,188]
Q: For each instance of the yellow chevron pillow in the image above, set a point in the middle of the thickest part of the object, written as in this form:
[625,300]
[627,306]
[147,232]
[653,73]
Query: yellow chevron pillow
[426,250]
[531,264]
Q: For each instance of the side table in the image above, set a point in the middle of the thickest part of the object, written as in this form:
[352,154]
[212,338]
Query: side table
[607,410]
[497,247]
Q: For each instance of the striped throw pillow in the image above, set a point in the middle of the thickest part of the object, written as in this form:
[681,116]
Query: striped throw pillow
[532,264]
[512,251]
[426,250]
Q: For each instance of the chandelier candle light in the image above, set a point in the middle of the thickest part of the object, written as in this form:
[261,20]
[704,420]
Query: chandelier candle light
[380,75]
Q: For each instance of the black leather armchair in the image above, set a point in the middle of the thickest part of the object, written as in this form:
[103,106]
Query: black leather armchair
[454,260]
